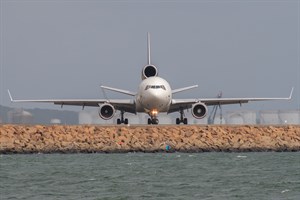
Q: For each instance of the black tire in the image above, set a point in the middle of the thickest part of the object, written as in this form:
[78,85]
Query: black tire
[185,121]
[149,121]
[118,121]
[126,121]
[177,121]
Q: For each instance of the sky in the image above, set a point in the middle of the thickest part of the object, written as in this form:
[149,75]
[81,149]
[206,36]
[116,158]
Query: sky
[68,48]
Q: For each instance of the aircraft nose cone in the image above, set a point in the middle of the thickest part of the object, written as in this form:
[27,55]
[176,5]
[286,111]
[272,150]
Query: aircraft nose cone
[156,100]
[155,95]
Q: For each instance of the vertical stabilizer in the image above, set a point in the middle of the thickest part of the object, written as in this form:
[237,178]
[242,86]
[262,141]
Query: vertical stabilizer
[148,45]
[149,70]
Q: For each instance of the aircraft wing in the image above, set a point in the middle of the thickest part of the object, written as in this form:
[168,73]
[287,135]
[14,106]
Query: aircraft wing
[128,105]
[178,104]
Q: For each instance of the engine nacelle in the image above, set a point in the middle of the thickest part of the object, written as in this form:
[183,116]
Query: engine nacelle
[106,111]
[149,71]
[199,110]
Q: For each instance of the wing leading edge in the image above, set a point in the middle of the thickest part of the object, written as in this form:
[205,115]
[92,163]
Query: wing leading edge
[128,105]
[178,104]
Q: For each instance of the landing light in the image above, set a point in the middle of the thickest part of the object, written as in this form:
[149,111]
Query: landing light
[154,112]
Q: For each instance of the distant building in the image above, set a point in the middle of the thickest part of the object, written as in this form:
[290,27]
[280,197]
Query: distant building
[19,116]
[289,116]
[219,119]
[269,117]
[241,117]
[92,117]
[55,121]
[231,117]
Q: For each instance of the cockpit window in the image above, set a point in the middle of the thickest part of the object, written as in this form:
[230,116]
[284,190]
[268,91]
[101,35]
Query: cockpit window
[155,87]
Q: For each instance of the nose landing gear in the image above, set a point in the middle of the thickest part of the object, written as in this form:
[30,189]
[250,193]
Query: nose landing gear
[153,121]
[153,117]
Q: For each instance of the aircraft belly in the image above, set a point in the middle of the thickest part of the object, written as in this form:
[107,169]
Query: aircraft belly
[146,104]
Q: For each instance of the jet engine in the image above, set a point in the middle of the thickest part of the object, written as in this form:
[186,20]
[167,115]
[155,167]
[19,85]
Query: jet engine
[106,111]
[199,110]
[149,71]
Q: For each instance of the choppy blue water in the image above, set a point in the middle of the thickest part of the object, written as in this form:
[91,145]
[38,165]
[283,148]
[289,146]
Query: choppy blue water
[267,175]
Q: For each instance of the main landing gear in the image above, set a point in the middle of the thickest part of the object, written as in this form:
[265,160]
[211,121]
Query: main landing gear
[181,119]
[122,120]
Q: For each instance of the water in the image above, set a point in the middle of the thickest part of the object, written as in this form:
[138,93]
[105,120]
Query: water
[267,175]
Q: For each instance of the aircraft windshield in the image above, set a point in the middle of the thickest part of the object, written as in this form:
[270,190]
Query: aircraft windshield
[155,87]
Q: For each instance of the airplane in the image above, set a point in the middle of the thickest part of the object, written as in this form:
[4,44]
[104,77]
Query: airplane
[154,96]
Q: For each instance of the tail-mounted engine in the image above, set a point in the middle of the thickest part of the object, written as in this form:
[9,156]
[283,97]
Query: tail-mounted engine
[149,71]
[106,111]
[199,110]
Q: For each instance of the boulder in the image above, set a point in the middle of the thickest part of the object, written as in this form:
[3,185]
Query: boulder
[191,138]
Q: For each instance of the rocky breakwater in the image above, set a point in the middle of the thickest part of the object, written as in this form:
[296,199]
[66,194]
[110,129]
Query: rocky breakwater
[191,138]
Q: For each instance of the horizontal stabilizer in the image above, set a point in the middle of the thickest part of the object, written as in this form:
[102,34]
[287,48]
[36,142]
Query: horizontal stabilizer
[184,89]
[119,90]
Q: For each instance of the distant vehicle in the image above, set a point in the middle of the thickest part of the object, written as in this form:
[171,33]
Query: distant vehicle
[154,96]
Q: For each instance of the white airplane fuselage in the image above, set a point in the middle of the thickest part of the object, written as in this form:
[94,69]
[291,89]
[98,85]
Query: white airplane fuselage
[154,96]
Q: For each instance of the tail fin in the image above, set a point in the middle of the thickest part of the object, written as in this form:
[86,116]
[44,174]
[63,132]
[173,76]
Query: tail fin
[149,70]
[148,45]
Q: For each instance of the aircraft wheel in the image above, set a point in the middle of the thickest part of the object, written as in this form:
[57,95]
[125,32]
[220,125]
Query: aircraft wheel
[155,121]
[149,121]
[126,121]
[185,121]
[177,121]
[118,121]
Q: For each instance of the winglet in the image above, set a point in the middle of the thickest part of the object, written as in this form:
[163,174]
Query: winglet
[11,99]
[291,94]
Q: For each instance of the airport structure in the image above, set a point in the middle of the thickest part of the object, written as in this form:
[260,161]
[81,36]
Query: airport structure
[233,117]
[289,116]
[241,117]
[19,116]
[238,117]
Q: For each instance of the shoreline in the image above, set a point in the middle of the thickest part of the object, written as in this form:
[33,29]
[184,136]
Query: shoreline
[27,139]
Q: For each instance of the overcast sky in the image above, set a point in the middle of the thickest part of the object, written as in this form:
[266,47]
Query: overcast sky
[67,49]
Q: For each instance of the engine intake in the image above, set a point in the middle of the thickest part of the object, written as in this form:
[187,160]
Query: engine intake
[149,71]
[199,110]
[106,111]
